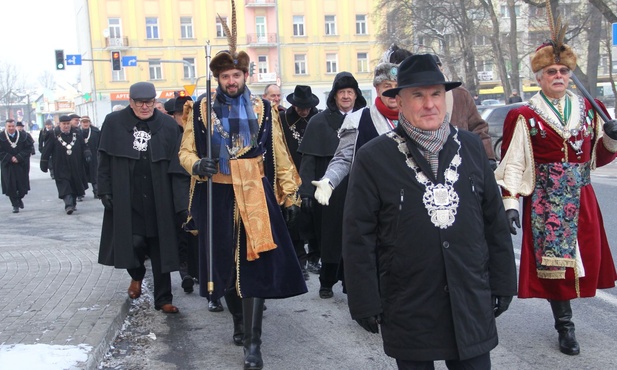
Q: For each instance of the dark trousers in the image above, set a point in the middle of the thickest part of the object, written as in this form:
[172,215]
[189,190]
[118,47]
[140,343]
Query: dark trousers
[143,246]
[328,275]
[15,201]
[482,362]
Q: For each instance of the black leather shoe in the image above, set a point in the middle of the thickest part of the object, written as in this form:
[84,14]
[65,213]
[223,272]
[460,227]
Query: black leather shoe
[69,210]
[21,204]
[187,284]
[15,209]
[325,293]
[215,306]
[568,343]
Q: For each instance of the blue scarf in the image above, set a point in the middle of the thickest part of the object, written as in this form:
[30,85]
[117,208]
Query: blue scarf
[239,123]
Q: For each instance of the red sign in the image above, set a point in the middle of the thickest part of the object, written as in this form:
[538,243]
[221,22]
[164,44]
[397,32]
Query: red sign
[115,96]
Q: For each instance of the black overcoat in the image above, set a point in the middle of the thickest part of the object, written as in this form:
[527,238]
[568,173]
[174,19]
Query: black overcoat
[433,286]
[92,136]
[15,176]
[115,177]
[69,169]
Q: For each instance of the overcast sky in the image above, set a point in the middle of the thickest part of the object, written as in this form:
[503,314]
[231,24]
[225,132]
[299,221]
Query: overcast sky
[31,30]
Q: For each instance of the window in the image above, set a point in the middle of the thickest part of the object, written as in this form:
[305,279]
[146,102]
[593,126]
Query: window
[300,64]
[482,40]
[330,25]
[262,64]
[220,31]
[152,28]
[260,29]
[114,27]
[188,71]
[485,66]
[118,75]
[186,27]
[155,69]
[298,22]
[361,24]
[506,14]
[362,62]
[331,63]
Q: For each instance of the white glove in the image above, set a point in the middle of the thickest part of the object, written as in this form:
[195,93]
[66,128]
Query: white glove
[323,191]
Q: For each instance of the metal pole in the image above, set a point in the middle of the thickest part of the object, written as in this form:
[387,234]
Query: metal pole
[587,95]
[209,241]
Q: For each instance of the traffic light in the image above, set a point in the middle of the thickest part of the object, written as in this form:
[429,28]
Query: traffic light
[60,60]
[251,68]
[116,63]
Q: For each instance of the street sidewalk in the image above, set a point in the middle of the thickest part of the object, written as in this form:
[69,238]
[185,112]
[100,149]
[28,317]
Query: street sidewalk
[52,290]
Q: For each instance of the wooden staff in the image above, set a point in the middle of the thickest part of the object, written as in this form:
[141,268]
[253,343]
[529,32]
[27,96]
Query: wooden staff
[209,183]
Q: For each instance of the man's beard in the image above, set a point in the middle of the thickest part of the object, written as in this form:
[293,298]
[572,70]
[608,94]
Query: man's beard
[240,91]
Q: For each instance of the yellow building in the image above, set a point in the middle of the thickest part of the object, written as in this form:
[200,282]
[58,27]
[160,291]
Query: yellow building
[290,42]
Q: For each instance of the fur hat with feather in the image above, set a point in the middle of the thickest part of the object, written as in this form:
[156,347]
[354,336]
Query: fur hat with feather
[230,59]
[553,51]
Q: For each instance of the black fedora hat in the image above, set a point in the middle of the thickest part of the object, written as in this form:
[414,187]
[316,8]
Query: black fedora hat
[417,71]
[303,97]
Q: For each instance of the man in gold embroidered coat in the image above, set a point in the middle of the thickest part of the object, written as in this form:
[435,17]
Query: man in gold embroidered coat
[253,175]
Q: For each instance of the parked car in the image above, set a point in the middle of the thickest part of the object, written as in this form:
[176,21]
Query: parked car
[494,115]
[490,102]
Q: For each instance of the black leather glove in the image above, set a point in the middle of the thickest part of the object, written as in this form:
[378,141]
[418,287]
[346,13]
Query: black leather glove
[306,205]
[370,324]
[205,167]
[610,129]
[291,215]
[493,164]
[513,218]
[501,304]
[44,165]
[182,216]
[107,201]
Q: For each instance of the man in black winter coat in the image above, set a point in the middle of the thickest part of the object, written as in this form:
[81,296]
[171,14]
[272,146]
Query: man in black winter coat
[425,236]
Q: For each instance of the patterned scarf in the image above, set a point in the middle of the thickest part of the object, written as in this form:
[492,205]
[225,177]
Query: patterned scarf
[430,143]
[239,126]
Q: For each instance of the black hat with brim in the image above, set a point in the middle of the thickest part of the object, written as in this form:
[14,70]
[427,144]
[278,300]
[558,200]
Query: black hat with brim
[303,97]
[417,71]
[170,106]
[19,124]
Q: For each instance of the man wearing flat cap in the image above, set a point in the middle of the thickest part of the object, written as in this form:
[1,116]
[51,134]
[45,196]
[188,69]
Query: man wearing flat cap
[550,145]
[318,148]
[252,177]
[70,153]
[74,120]
[138,145]
[294,120]
[425,237]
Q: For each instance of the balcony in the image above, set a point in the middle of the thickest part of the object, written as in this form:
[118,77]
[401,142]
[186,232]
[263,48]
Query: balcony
[261,40]
[260,3]
[117,43]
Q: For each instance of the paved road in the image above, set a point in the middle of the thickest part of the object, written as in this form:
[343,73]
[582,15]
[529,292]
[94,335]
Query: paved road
[52,291]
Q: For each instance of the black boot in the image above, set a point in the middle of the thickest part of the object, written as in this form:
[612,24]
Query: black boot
[562,312]
[252,309]
[68,204]
[234,305]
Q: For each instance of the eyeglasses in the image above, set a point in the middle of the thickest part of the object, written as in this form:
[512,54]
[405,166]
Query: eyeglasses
[141,103]
[562,71]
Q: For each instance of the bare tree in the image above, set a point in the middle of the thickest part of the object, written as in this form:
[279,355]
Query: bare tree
[46,80]
[10,85]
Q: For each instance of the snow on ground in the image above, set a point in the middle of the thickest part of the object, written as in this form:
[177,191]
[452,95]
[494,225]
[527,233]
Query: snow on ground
[43,356]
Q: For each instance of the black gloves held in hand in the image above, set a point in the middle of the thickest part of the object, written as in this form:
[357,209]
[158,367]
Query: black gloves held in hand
[610,129]
[306,205]
[501,304]
[44,166]
[107,201]
[370,324]
[88,159]
[513,218]
[291,215]
[205,167]
[493,164]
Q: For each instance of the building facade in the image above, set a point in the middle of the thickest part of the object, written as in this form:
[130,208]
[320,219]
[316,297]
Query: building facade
[290,42]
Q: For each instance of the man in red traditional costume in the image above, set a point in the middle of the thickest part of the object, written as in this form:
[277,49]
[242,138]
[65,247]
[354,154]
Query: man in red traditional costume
[550,145]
